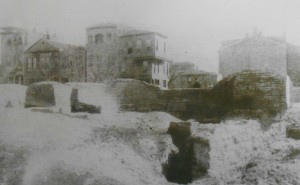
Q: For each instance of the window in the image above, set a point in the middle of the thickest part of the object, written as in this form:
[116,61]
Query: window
[19,58]
[29,63]
[156,82]
[20,42]
[9,43]
[164,68]
[129,50]
[165,83]
[90,63]
[129,44]
[99,39]
[158,68]
[156,45]
[109,36]
[148,43]
[34,63]
[145,66]
[145,63]
[139,44]
[154,67]
[167,68]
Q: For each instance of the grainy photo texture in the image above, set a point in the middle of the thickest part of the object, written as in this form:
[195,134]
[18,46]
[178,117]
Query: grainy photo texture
[149,92]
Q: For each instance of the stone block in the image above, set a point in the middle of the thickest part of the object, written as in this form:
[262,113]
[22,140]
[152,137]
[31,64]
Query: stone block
[77,106]
[293,133]
[40,95]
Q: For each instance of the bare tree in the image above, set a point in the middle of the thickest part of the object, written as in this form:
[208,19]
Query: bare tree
[174,74]
[50,69]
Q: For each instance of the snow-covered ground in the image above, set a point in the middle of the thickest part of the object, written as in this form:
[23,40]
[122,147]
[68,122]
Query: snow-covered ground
[13,93]
[122,148]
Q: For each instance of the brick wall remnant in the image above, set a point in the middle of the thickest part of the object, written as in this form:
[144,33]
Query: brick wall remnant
[77,106]
[250,94]
[40,95]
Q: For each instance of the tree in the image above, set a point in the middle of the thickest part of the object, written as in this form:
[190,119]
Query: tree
[173,75]
[49,69]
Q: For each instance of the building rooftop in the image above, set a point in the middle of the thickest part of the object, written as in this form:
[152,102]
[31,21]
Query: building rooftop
[11,29]
[58,45]
[141,32]
[103,25]
[256,36]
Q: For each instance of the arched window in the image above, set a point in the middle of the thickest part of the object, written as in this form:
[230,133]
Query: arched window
[99,39]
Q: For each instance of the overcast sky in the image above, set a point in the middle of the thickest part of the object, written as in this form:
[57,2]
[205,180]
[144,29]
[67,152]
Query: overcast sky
[195,28]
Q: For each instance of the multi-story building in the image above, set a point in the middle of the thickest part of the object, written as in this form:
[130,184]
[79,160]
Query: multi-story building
[103,46]
[186,75]
[257,52]
[14,41]
[144,57]
[49,60]
[119,51]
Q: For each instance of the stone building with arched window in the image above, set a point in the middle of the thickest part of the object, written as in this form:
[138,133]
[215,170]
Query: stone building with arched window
[14,41]
[103,51]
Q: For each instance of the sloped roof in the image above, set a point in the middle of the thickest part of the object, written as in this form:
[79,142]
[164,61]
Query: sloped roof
[141,32]
[103,25]
[11,29]
[250,40]
[59,46]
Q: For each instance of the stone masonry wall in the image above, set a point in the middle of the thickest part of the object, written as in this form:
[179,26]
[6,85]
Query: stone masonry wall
[136,95]
[249,94]
[257,90]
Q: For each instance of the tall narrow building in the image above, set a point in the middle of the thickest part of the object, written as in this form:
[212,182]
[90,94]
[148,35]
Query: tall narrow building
[103,46]
[13,43]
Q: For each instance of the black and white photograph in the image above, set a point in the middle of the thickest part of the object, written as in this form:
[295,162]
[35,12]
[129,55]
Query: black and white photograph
[149,92]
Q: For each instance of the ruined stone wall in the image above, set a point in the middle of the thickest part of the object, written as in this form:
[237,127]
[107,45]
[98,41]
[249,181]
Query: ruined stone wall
[256,90]
[247,94]
[134,95]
